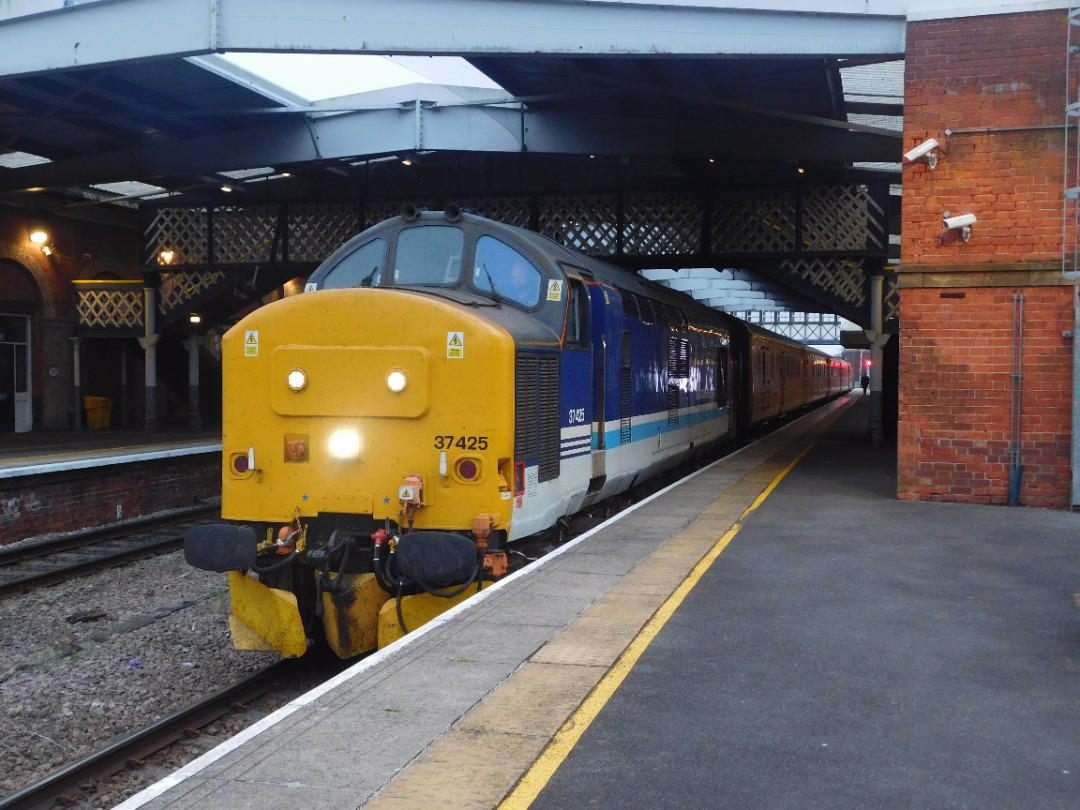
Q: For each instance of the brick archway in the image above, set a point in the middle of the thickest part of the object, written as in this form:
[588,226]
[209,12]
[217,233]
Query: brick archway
[35,266]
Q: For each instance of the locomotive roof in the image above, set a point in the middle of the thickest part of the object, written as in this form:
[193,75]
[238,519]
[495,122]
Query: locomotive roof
[555,254]
[542,245]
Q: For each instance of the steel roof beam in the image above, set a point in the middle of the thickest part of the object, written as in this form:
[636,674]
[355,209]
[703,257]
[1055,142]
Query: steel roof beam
[446,122]
[99,33]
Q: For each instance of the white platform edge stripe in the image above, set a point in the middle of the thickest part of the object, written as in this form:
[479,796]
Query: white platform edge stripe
[210,757]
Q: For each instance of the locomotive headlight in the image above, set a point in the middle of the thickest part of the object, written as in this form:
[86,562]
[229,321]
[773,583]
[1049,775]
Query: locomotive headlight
[345,444]
[396,381]
[297,379]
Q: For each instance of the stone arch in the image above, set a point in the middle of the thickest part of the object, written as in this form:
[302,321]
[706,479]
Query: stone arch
[34,263]
[109,270]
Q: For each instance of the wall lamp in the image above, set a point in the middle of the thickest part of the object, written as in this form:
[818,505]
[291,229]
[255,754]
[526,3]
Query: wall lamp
[925,150]
[40,238]
[961,222]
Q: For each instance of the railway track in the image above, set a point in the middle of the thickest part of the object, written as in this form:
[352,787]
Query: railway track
[28,566]
[63,786]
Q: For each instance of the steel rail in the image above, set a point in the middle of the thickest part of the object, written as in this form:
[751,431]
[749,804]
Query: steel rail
[21,552]
[59,786]
[83,567]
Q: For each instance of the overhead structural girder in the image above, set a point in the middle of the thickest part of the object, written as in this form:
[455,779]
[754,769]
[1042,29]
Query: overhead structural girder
[99,33]
[435,118]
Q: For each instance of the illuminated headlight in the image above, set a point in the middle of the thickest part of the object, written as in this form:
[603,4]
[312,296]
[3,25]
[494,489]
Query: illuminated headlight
[297,379]
[396,381]
[345,444]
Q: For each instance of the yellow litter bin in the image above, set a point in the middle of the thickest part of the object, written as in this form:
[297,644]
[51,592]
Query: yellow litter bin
[98,412]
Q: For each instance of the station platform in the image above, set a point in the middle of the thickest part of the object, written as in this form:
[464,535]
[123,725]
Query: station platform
[55,483]
[44,451]
[778,631]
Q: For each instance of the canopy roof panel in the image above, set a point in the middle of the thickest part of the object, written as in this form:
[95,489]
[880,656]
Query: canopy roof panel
[670,96]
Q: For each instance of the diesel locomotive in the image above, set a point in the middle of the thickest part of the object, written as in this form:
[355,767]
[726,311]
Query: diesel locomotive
[445,386]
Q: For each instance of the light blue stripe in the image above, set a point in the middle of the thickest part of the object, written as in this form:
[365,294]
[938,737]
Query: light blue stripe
[657,426]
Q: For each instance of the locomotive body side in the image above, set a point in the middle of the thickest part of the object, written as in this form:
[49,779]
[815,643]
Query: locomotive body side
[661,381]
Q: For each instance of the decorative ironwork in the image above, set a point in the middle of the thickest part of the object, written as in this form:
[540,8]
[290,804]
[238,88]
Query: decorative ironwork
[245,235]
[376,211]
[179,288]
[842,279]
[758,222]
[793,230]
[109,306]
[183,231]
[890,306]
[838,218]
[511,210]
[318,229]
[661,224]
[588,223]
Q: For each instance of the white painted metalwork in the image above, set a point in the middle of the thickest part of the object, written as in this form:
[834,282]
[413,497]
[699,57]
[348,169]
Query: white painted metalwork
[99,33]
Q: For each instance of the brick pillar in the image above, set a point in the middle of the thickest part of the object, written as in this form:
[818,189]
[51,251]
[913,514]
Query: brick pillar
[991,89]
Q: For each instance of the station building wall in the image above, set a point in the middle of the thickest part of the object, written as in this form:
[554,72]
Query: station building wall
[39,286]
[998,82]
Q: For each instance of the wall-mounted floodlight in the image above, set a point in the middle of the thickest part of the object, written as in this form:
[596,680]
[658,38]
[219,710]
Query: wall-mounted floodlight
[961,222]
[924,150]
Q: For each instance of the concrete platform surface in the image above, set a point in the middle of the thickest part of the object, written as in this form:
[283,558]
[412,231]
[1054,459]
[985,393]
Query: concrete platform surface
[779,631]
[34,453]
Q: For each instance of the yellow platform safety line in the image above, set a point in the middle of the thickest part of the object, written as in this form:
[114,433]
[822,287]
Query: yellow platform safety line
[567,737]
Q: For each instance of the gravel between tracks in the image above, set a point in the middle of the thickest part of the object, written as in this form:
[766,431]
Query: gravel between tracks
[87,660]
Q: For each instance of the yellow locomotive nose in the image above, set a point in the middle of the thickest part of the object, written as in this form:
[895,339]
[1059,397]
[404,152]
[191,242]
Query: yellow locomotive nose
[357,428]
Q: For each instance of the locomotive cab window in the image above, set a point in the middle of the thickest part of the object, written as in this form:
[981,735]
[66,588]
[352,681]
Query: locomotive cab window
[429,256]
[361,268]
[503,271]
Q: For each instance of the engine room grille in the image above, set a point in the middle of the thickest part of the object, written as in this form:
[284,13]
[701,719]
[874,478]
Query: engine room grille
[678,356]
[536,423]
[673,404]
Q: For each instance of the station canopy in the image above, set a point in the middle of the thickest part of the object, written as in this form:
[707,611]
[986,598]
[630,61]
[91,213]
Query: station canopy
[111,104]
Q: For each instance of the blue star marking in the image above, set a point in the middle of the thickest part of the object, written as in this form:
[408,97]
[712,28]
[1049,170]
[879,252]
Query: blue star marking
[386,500]
[304,496]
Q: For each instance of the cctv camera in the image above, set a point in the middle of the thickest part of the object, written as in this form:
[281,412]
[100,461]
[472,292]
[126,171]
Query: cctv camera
[920,150]
[959,221]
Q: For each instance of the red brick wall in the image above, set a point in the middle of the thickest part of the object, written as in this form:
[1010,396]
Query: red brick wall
[60,503]
[956,388]
[998,82]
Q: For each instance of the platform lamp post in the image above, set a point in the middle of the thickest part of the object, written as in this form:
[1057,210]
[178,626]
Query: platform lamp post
[875,335]
[149,342]
[77,422]
[192,344]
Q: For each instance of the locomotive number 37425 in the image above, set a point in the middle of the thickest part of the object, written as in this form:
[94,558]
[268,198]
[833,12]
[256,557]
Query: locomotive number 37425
[461,442]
